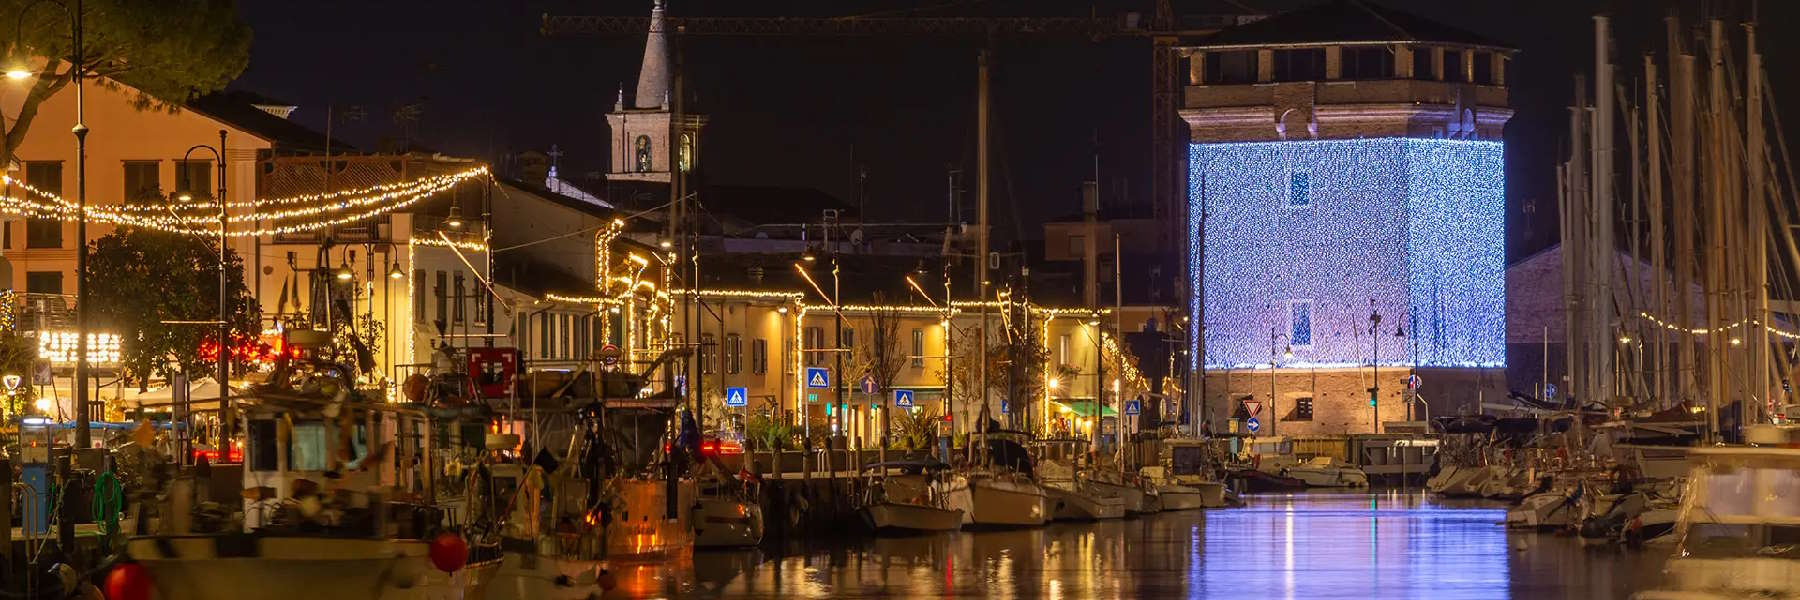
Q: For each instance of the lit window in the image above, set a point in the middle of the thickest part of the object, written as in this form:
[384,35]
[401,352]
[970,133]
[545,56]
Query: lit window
[918,348]
[1299,188]
[1300,323]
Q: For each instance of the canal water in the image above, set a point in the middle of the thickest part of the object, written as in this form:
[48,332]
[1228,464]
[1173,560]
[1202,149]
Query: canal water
[1385,544]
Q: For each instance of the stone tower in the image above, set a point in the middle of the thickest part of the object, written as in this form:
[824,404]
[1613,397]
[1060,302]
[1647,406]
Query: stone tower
[640,124]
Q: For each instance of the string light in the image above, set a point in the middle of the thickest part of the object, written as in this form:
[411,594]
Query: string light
[459,245]
[1654,320]
[338,208]
[1416,224]
[314,198]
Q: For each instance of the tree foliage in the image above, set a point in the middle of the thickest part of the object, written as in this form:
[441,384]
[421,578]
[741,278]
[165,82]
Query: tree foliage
[139,278]
[170,51]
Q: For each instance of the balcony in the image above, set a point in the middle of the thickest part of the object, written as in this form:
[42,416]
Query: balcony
[1368,91]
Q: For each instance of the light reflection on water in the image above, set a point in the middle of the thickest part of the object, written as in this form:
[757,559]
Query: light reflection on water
[1380,545]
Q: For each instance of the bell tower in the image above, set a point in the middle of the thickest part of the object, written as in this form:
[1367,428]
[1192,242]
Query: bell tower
[642,150]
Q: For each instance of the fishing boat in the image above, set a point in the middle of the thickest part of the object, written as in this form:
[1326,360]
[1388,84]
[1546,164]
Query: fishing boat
[1737,527]
[911,496]
[1325,471]
[1073,496]
[727,513]
[326,512]
[1190,475]
[1002,489]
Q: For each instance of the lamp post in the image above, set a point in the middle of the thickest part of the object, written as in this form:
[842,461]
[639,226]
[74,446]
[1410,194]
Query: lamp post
[1375,361]
[83,435]
[1287,353]
[224,371]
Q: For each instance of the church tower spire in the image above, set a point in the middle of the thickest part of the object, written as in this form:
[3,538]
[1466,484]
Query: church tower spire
[653,76]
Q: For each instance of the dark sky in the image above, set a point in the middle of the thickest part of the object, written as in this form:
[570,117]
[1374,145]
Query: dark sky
[793,111]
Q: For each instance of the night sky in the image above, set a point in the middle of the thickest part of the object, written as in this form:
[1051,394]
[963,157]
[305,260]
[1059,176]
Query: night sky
[485,83]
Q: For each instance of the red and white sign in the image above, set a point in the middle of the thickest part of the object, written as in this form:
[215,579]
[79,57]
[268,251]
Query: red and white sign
[1253,407]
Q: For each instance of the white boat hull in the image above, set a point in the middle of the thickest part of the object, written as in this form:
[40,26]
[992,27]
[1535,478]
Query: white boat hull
[1329,476]
[528,577]
[1007,503]
[1072,505]
[912,517]
[1207,494]
[726,523]
[224,567]
[1131,497]
[1548,510]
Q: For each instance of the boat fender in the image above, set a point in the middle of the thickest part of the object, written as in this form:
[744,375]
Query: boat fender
[129,581]
[449,552]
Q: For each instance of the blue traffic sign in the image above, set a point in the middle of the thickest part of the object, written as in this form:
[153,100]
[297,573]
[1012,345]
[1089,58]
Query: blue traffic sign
[903,398]
[818,378]
[736,396]
[1133,407]
[867,383]
[1252,424]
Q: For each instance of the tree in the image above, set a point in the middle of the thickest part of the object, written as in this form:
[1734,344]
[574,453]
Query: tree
[139,278]
[169,51]
[881,357]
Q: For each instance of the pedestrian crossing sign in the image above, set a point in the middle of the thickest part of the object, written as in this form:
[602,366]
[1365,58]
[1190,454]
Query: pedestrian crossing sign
[903,398]
[737,396]
[818,378]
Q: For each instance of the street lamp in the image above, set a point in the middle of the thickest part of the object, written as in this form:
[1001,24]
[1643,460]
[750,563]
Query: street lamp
[83,435]
[454,221]
[394,271]
[1287,353]
[1375,361]
[224,372]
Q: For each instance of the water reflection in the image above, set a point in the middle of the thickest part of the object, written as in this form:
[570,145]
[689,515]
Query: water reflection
[1380,545]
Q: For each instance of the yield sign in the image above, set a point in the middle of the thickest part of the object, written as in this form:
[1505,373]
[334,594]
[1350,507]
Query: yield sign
[1254,407]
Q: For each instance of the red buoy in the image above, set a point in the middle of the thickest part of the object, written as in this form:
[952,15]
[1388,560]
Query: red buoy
[449,552]
[129,581]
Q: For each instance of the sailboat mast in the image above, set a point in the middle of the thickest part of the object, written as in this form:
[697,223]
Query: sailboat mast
[1759,219]
[1603,250]
[1681,179]
[1658,298]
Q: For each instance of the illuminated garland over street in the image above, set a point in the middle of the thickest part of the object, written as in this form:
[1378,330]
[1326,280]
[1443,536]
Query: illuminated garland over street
[325,210]
[1654,320]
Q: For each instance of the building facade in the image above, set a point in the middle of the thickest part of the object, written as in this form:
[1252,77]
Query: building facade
[1347,195]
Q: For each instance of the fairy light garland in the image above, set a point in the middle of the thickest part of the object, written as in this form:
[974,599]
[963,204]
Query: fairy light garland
[372,201]
[1654,320]
[315,197]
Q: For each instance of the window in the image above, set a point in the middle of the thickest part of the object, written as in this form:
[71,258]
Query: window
[849,344]
[563,334]
[1453,66]
[582,346]
[1299,188]
[43,282]
[787,357]
[263,455]
[642,153]
[1300,323]
[457,313]
[759,356]
[709,354]
[918,348]
[482,307]
[1306,64]
[815,341]
[734,354]
[46,177]
[1367,62]
[1422,64]
[418,294]
[543,327]
[1230,68]
[438,291]
[143,182]
[1302,410]
[1484,68]
[1062,350]
[306,449]
[6,235]
[194,177]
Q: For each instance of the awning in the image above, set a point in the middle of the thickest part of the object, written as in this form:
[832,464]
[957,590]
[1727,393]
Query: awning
[1084,408]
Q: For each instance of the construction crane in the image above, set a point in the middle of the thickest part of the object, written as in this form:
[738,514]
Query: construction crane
[1163,29]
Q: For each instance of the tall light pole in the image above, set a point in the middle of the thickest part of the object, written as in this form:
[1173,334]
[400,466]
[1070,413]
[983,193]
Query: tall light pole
[83,434]
[224,371]
[1288,353]
[1375,361]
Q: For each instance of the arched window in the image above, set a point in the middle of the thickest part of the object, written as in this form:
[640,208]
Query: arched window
[643,154]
